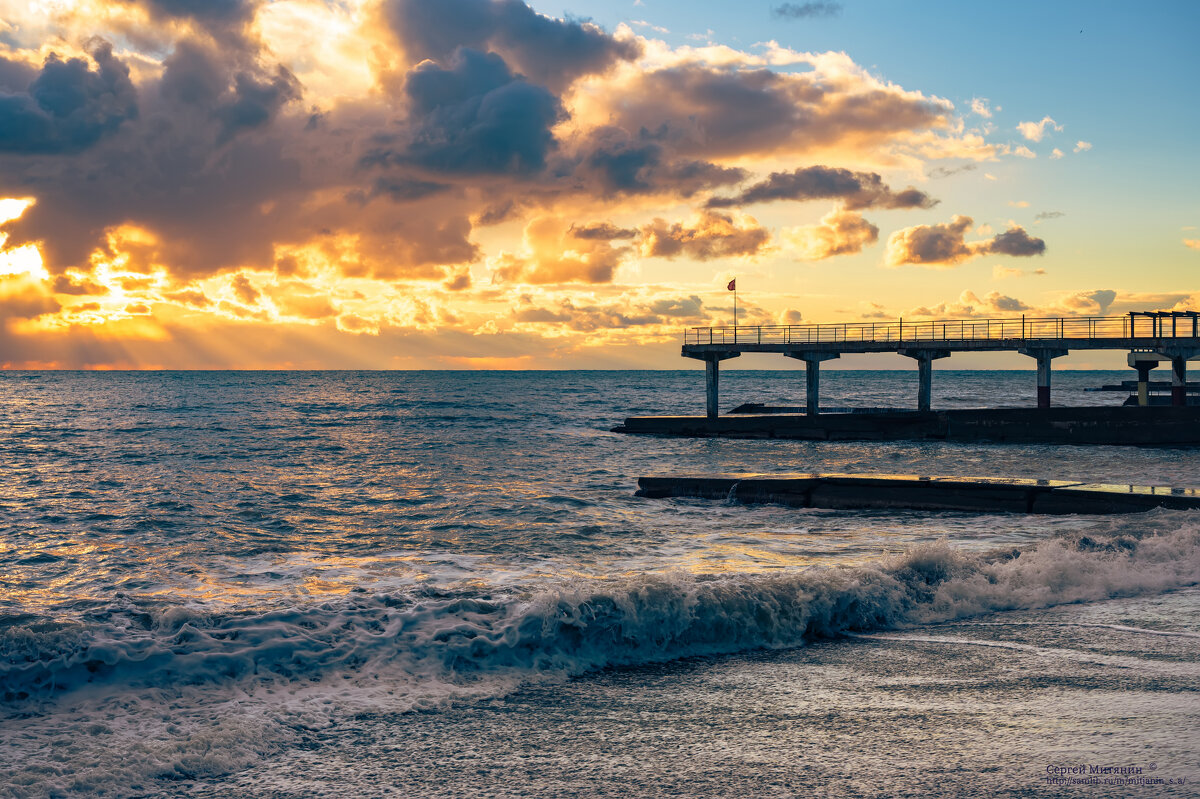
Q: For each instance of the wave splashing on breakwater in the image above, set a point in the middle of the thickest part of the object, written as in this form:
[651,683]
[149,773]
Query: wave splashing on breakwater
[238,686]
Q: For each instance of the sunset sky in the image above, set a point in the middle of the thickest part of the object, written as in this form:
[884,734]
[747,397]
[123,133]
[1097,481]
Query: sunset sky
[489,184]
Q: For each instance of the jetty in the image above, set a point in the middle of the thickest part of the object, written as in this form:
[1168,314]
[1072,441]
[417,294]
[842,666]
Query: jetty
[915,492]
[1149,337]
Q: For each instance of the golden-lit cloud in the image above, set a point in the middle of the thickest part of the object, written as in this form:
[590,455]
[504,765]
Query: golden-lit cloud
[708,235]
[311,183]
[839,233]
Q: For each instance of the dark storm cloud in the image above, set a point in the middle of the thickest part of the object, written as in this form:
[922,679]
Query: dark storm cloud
[474,118]
[858,190]
[225,20]
[406,189]
[68,106]
[255,101]
[15,76]
[621,164]
[195,165]
[806,10]
[550,52]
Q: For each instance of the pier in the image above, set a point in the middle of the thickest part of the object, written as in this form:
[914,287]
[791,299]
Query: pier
[1150,337]
[914,492]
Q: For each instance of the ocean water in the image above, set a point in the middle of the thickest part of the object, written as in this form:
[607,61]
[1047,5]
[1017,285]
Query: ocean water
[442,584]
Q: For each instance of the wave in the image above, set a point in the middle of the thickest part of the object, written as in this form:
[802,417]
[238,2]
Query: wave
[140,697]
[422,649]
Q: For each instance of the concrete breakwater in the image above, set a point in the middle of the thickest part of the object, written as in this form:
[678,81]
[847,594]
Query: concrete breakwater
[913,492]
[1144,426]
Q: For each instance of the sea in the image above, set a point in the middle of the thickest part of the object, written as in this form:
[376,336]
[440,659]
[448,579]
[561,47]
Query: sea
[442,584]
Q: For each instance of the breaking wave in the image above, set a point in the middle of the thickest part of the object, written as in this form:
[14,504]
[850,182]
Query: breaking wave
[574,627]
[270,678]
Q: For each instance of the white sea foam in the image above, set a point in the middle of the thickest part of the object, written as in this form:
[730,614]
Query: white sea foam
[177,693]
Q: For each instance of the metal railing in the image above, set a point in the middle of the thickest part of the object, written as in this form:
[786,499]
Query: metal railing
[1150,326]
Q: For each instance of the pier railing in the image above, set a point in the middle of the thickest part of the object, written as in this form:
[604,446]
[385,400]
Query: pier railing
[1149,326]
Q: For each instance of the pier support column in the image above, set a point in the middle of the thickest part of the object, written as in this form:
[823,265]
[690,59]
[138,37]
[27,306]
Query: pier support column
[925,359]
[1143,362]
[1043,358]
[1178,356]
[1179,380]
[812,377]
[712,373]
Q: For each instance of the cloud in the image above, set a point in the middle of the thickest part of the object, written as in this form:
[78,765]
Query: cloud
[1016,242]
[641,23]
[945,172]
[806,10]
[1024,152]
[858,190]
[554,254]
[68,107]
[710,235]
[979,106]
[1034,131]
[1082,146]
[582,317]
[1094,302]
[1048,215]
[1193,243]
[475,117]
[1056,154]
[244,290]
[219,177]
[970,306]
[546,51]
[944,245]
[840,232]
[715,112]
[620,164]
[602,230]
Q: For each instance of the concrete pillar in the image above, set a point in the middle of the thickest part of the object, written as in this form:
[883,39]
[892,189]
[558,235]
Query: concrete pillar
[1179,380]
[1143,370]
[812,385]
[1143,362]
[924,383]
[712,374]
[1043,358]
[712,371]
[925,359]
[812,377]
[1178,356]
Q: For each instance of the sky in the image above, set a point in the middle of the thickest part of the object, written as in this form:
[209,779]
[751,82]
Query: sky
[488,184]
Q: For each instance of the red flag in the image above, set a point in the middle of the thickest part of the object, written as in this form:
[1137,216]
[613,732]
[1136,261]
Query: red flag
[732,285]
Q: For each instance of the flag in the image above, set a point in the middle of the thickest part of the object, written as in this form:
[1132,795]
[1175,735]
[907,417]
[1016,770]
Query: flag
[732,285]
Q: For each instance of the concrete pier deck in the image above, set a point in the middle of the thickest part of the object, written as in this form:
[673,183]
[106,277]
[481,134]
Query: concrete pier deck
[1118,425]
[1150,337]
[915,492]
